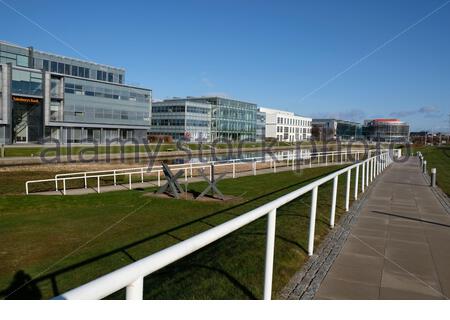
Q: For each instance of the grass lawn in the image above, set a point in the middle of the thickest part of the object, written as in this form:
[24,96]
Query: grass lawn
[439,158]
[64,242]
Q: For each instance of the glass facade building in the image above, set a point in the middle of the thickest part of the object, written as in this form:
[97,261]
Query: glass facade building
[226,120]
[334,129]
[45,96]
[181,119]
[386,130]
[260,126]
[231,120]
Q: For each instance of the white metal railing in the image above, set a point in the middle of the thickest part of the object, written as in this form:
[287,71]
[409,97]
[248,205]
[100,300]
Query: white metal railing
[132,276]
[60,180]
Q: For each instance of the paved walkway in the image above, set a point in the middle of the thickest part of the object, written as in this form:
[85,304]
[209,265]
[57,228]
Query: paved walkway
[399,246]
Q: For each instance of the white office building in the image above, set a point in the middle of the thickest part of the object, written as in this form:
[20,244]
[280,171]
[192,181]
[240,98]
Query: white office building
[286,126]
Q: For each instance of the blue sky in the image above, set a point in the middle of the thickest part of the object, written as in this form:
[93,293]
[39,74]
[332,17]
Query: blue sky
[279,54]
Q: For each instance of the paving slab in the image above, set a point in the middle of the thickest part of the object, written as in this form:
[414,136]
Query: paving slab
[399,246]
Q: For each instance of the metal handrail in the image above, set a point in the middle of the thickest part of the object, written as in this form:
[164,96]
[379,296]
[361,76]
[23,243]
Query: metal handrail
[132,276]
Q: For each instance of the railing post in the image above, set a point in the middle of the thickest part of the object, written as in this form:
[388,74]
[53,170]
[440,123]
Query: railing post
[367,172]
[85,181]
[270,250]
[356,182]
[185,174]
[64,186]
[190,167]
[98,184]
[115,178]
[142,175]
[363,176]
[129,181]
[347,190]
[234,168]
[254,167]
[159,178]
[312,221]
[333,201]
[275,166]
[135,290]
[26,188]
[372,169]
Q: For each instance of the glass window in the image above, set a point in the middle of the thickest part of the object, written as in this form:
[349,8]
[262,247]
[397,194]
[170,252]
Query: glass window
[22,61]
[60,67]
[110,77]
[86,72]
[25,82]
[54,66]
[81,72]
[75,71]
[46,66]
[67,69]
[120,78]
[99,75]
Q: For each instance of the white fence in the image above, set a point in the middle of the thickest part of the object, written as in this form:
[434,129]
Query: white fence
[132,276]
[291,159]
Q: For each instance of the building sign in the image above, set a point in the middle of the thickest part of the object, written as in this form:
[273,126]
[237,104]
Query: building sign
[26,100]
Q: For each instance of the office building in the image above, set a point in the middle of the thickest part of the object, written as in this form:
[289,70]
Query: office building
[334,129]
[182,119]
[386,130]
[260,126]
[286,126]
[43,96]
[230,120]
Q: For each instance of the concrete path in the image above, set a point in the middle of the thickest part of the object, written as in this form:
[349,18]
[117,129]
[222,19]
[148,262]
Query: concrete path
[399,246]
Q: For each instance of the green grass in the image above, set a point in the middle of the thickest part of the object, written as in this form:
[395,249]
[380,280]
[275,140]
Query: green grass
[439,158]
[64,242]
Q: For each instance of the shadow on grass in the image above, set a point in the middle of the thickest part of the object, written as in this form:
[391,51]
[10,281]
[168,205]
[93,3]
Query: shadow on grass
[24,292]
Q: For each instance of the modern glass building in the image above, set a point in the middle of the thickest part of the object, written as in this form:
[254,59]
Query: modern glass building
[386,130]
[260,126]
[231,120]
[334,129]
[45,96]
[228,120]
[181,119]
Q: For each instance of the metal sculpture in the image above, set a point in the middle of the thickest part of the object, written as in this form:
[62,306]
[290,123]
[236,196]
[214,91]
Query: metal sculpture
[172,186]
[212,184]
